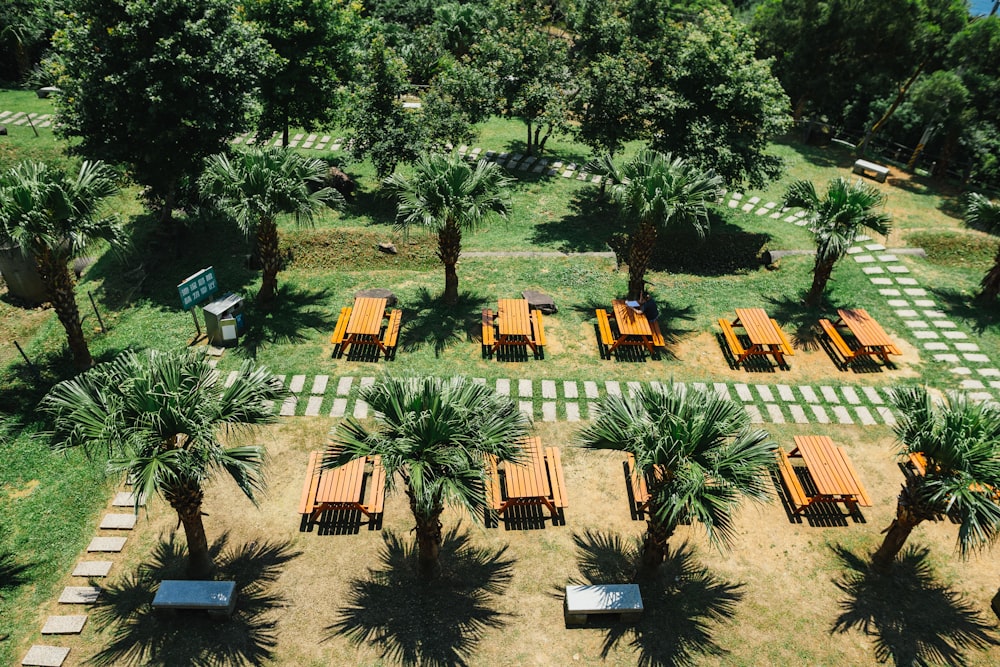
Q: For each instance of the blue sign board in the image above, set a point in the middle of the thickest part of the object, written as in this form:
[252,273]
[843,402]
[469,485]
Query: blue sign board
[198,287]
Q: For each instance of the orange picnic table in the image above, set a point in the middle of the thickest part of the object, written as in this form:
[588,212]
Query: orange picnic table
[766,337]
[357,485]
[362,325]
[537,480]
[639,485]
[830,469]
[634,330]
[513,325]
[872,338]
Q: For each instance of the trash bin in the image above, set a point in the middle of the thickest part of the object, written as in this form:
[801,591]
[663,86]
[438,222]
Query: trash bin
[224,320]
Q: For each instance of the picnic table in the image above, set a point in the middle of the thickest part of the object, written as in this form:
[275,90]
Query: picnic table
[356,485]
[766,337]
[513,325]
[830,469]
[872,340]
[537,480]
[362,325]
[634,330]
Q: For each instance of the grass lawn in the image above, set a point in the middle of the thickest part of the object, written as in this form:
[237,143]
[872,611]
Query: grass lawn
[788,591]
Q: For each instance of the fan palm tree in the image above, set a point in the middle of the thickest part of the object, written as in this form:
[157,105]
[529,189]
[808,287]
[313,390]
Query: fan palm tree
[432,435]
[258,185]
[697,452]
[960,442]
[53,218]
[161,420]
[983,213]
[449,196]
[659,191]
[836,220]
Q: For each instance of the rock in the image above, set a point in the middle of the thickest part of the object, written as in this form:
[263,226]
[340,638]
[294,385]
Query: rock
[540,302]
[377,293]
[339,181]
[3,130]
[387,247]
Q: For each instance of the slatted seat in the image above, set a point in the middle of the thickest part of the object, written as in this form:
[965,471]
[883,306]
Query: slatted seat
[732,340]
[340,330]
[391,335]
[554,465]
[604,326]
[785,345]
[795,491]
[637,483]
[343,488]
[658,340]
[837,340]
[539,332]
[489,333]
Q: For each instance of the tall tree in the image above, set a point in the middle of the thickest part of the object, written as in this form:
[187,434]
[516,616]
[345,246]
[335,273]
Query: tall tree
[166,422]
[257,186]
[608,105]
[845,211]
[450,197]
[157,85]
[659,191]
[54,217]
[313,41]
[959,440]
[25,29]
[985,214]
[432,434]
[697,452]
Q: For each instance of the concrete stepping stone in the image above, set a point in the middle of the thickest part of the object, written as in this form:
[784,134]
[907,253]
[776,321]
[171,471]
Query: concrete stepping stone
[319,384]
[854,250]
[106,544]
[924,303]
[313,406]
[754,200]
[344,385]
[280,380]
[479,381]
[526,407]
[297,384]
[914,291]
[925,333]
[118,521]
[979,358]
[872,270]
[873,246]
[934,315]
[762,211]
[886,415]
[946,358]
[754,412]
[765,392]
[737,195]
[980,396]
[916,324]
[962,370]
[572,411]
[872,394]
[851,395]
[41,655]
[92,568]
[549,411]
[71,624]
[570,389]
[935,346]
[887,258]
[899,303]
[503,387]
[722,390]
[829,394]
[747,207]
[79,595]
[897,268]
[367,381]
[809,394]
[785,393]
[774,413]
[613,388]
[288,406]
[887,291]
[842,414]
[360,409]
[733,203]
[863,259]
[989,372]
[743,391]
[972,384]
[339,408]
[548,389]
[903,312]
[798,414]
[790,218]
[590,389]
[944,324]
[967,347]
[633,388]
[524,389]
[955,335]
[700,386]
[820,414]
[231,378]
[126,499]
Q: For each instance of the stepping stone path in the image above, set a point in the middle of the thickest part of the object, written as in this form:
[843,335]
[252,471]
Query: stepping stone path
[118,522]
[70,624]
[79,595]
[92,568]
[106,544]
[45,656]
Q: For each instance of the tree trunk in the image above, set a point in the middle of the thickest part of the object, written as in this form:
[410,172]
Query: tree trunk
[540,145]
[186,499]
[991,281]
[900,96]
[527,147]
[54,271]
[284,131]
[654,545]
[821,276]
[449,249]
[428,530]
[895,537]
[167,209]
[640,252]
[267,246]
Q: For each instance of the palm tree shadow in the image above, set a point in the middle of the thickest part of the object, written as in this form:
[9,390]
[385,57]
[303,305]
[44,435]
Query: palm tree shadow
[138,635]
[12,573]
[390,607]
[976,314]
[915,620]
[429,321]
[800,321]
[682,601]
[587,226]
[293,313]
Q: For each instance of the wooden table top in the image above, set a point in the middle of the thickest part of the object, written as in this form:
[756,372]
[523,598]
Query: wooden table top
[758,326]
[528,479]
[630,322]
[830,468]
[868,332]
[343,484]
[513,318]
[366,316]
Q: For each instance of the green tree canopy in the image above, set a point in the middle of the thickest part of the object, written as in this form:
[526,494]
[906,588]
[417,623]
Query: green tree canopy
[982,213]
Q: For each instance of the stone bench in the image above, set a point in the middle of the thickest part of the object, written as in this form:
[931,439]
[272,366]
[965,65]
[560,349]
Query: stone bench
[218,598]
[601,599]
[864,166]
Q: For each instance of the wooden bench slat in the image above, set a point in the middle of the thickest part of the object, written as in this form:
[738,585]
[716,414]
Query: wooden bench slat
[658,339]
[785,345]
[604,326]
[792,483]
[536,316]
[731,339]
[489,333]
[837,340]
[392,329]
[310,486]
[341,328]
[377,486]
[557,481]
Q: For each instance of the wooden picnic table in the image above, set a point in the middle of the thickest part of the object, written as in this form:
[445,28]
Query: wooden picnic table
[830,470]
[639,485]
[634,329]
[766,337]
[872,338]
[517,325]
[537,480]
[362,325]
[343,488]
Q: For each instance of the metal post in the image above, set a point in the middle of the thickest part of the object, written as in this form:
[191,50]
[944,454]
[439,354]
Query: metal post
[32,126]
[96,312]
[27,361]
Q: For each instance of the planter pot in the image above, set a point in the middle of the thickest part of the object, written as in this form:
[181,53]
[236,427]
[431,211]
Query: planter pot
[20,275]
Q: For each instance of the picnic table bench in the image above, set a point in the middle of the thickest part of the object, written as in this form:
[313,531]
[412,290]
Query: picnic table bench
[343,488]
[830,470]
[639,486]
[218,598]
[362,325]
[879,172]
[582,602]
[537,480]
[513,325]
[766,336]
[634,330]
[871,339]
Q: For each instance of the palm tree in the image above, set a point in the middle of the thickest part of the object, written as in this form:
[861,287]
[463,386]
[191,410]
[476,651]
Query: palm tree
[161,419]
[432,435]
[697,452]
[54,217]
[659,191]
[448,195]
[836,221]
[983,213]
[257,186]
[960,442]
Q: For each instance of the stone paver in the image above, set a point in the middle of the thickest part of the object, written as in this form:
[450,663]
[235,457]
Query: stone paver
[765,393]
[798,414]
[360,409]
[92,568]
[935,346]
[912,291]
[924,303]
[873,270]
[905,312]
[106,544]
[548,389]
[967,347]
[118,521]
[288,406]
[572,412]
[886,291]
[989,372]
[634,388]
[872,394]
[774,413]
[524,388]
[851,395]
[897,268]
[571,389]
[503,387]
[527,407]
[829,394]
[549,411]
[297,384]
[946,358]
[916,324]
[231,378]
[754,412]
[972,384]
[590,389]
[962,370]
[125,499]
[70,624]
[944,324]
[863,259]
[344,385]
[809,394]
[820,414]
[899,303]
[613,388]
[79,595]
[339,408]
[722,390]
[955,335]
[41,655]
[785,393]
[313,406]
[924,334]
[319,384]
[865,416]
[842,414]
[977,357]
[744,393]
[886,415]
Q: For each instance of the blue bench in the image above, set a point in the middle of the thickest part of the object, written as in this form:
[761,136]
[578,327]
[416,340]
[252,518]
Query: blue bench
[218,598]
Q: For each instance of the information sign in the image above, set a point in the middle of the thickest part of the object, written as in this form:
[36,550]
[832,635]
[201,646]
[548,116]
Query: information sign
[196,288]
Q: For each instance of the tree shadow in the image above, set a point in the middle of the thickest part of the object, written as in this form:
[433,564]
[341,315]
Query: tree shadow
[12,573]
[728,249]
[682,601]
[821,156]
[138,635]
[914,619]
[293,313]
[799,321]
[587,226]
[430,321]
[375,205]
[416,621]
[515,146]
[976,314]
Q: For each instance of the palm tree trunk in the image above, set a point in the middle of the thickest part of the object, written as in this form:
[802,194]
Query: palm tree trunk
[822,271]
[449,250]
[428,530]
[640,252]
[186,500]
[654,546]
[267,246]
[895,537]
[55,274]
[991,281]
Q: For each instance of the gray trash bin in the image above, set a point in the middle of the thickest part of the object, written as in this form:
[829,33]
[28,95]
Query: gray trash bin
[224,319]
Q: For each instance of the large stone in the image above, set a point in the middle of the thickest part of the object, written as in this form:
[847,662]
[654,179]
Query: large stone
[377,293]
[118,521]
[79,595]
[64,625]
[540,301]
[45,656]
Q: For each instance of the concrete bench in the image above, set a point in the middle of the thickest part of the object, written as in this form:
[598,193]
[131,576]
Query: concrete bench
[864,166]
[601,599]
[218,598]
